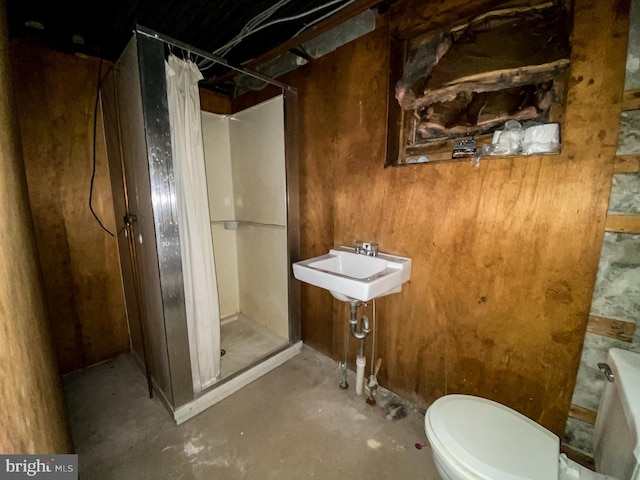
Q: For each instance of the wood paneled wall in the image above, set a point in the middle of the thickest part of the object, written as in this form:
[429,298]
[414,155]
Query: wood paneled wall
[56,95]
[34,417]
[504,256]
[214,102]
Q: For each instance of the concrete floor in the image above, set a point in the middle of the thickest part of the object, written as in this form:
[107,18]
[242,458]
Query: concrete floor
[293,423]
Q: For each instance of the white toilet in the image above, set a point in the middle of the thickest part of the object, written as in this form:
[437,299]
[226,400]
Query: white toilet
[474,438]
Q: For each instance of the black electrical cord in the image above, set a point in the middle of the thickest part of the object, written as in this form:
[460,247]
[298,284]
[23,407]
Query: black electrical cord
[95,129]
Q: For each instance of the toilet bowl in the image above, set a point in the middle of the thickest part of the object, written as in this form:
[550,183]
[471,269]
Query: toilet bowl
[475,438]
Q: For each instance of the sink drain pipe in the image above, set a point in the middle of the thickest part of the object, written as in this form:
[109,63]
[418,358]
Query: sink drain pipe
[361,335]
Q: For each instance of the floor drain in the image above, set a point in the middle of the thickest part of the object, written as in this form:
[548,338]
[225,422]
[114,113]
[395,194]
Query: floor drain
[222,352]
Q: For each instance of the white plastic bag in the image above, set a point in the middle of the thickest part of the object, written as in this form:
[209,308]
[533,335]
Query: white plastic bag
[541,139]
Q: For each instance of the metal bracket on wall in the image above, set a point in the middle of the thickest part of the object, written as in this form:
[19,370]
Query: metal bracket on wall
[129,219]
[606,370]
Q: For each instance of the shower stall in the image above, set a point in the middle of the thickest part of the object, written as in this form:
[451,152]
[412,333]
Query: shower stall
[199,337]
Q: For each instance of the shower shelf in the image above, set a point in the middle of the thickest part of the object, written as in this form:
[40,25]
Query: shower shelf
[239,223]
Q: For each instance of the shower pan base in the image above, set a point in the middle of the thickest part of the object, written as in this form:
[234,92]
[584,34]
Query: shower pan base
[232,384]
[245,342]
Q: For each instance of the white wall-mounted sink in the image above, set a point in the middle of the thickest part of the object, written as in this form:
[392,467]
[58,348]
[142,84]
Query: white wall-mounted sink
[352,276]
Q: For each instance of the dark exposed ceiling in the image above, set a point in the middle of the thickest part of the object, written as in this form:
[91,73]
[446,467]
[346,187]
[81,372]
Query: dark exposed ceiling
[104,28]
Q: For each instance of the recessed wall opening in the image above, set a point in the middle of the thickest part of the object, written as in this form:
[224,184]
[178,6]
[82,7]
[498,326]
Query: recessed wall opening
[468,80]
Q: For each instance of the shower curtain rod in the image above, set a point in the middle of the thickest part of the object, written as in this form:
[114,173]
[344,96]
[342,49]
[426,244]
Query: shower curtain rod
[209,56]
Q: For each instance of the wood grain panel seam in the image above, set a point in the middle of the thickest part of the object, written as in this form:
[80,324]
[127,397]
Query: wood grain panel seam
[629,163]
[578,456]
[583,414]
[622,223]
[631,100]
[612,328]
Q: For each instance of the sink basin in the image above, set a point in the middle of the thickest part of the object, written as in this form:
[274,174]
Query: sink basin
[352,276]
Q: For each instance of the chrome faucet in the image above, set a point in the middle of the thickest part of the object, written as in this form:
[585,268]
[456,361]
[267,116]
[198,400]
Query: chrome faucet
[366,248]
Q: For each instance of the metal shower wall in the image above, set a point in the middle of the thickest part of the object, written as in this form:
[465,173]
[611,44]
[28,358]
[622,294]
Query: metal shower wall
[141,165]
[122,112]
[165,214]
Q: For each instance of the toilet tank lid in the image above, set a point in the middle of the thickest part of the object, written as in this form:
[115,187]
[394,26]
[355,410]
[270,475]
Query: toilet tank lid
[626,369]
[492,440]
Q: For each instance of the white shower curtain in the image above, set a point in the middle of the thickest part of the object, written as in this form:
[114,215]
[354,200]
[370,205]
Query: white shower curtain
[198,267]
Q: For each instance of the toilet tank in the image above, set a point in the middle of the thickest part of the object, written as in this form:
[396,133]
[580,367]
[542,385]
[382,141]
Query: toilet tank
[616,444]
